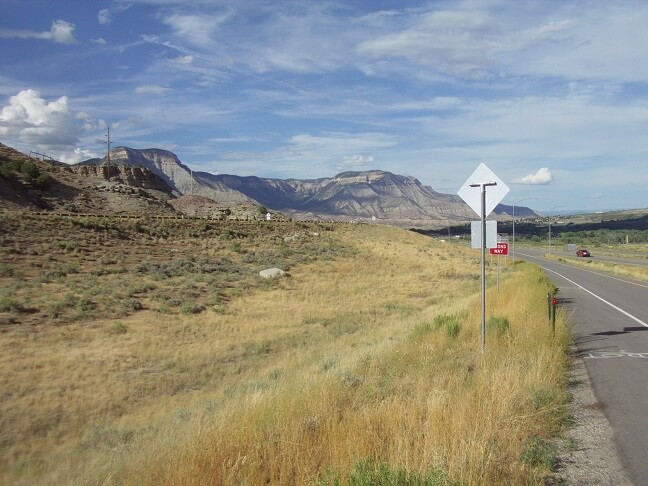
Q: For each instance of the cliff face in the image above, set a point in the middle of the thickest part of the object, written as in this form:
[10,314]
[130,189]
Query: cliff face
[130,176]
[173,172]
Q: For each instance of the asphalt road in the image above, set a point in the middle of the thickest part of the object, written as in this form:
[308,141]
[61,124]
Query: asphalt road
[610,324]
[603,258]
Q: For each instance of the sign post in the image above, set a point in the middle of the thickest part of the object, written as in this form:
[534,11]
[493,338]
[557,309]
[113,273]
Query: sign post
[483,177]
[499,250]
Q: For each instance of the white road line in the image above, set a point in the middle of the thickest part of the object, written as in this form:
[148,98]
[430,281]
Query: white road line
[587,270]
[598,297]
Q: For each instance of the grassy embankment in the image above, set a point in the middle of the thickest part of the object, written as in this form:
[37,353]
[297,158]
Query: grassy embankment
[151,353]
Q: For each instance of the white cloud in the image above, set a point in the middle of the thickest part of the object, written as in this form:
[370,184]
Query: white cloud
[196,29]
[152,89]
[104,16]
[61,32]
[183,60]
[100,41]
[357,160]
[78,155]
[33,120]
[542,177]
[452,42]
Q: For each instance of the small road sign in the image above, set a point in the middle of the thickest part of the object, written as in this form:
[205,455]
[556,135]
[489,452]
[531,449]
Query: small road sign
[476,234]
[500,249]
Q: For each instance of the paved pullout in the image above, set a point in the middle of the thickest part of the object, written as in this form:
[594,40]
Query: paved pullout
[610,326]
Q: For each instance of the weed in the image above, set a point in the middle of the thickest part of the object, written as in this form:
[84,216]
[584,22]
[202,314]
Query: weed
[191,308]
[421,330]
[369,472]
[6,270]
[540,453]
[8,304]
[450,322]
[330,363]
[543,398]
[132,304]
[118,328]
[106,438]
[498,324]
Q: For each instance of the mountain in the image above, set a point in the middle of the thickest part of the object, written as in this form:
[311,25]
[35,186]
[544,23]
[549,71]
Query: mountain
[378,194]
[177,175]
[388,197]
[352,195]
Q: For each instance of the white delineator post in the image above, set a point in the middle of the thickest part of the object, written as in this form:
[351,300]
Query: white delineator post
[482,186]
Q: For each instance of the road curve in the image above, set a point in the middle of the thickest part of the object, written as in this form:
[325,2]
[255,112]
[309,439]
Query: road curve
[609,315]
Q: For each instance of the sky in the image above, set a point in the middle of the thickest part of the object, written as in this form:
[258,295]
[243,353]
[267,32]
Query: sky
[551,95]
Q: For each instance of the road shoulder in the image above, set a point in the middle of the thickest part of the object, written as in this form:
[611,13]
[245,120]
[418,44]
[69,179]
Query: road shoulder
[588,455]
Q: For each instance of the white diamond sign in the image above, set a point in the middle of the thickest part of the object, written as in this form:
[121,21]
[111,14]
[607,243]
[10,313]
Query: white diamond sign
[494,193]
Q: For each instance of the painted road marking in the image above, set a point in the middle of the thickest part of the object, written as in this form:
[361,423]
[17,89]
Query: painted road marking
[614,354]
[636,319]
[631,282]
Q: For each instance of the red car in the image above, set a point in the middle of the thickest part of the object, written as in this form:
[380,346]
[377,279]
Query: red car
[582,253]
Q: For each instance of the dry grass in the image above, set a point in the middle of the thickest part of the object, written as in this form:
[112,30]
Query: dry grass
[294,382]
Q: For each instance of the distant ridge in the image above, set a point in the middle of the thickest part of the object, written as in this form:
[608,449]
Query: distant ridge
[351,195]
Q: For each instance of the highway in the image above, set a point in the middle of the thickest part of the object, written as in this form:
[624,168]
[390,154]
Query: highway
[609,315]
[603,258]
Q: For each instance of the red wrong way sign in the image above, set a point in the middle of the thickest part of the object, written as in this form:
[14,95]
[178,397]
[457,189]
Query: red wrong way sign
[501,249]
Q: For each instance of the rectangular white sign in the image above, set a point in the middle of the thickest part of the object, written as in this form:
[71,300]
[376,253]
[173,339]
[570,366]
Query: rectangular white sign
[491,234]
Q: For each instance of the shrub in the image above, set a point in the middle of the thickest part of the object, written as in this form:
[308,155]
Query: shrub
[368,472]
[7,304]
[499,324]
[30,171]
[43,182]
[84,304]
[192,309]
[5,171]
[6,270]
[540,453]
[450,322]
[118,328]
[132,304]
[422,329]
[452,329]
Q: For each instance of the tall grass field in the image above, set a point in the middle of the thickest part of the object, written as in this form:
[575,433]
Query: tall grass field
[151,352]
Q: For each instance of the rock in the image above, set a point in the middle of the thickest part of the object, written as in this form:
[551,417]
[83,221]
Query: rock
[272,273]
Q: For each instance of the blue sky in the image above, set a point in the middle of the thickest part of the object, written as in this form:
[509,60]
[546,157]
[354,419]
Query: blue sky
[551,95]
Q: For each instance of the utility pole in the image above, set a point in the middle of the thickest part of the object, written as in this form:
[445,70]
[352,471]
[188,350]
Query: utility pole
[108,156]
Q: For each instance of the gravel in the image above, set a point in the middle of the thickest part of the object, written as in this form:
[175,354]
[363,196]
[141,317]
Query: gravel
[588,454]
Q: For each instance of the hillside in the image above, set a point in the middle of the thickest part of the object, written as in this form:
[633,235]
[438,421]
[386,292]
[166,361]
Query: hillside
[150,351]
[28,183]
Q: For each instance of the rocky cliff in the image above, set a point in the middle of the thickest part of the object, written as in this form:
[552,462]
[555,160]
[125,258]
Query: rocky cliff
[173,172]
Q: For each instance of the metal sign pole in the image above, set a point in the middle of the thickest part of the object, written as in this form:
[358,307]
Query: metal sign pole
[482,186]
[483,268]
[483,207]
